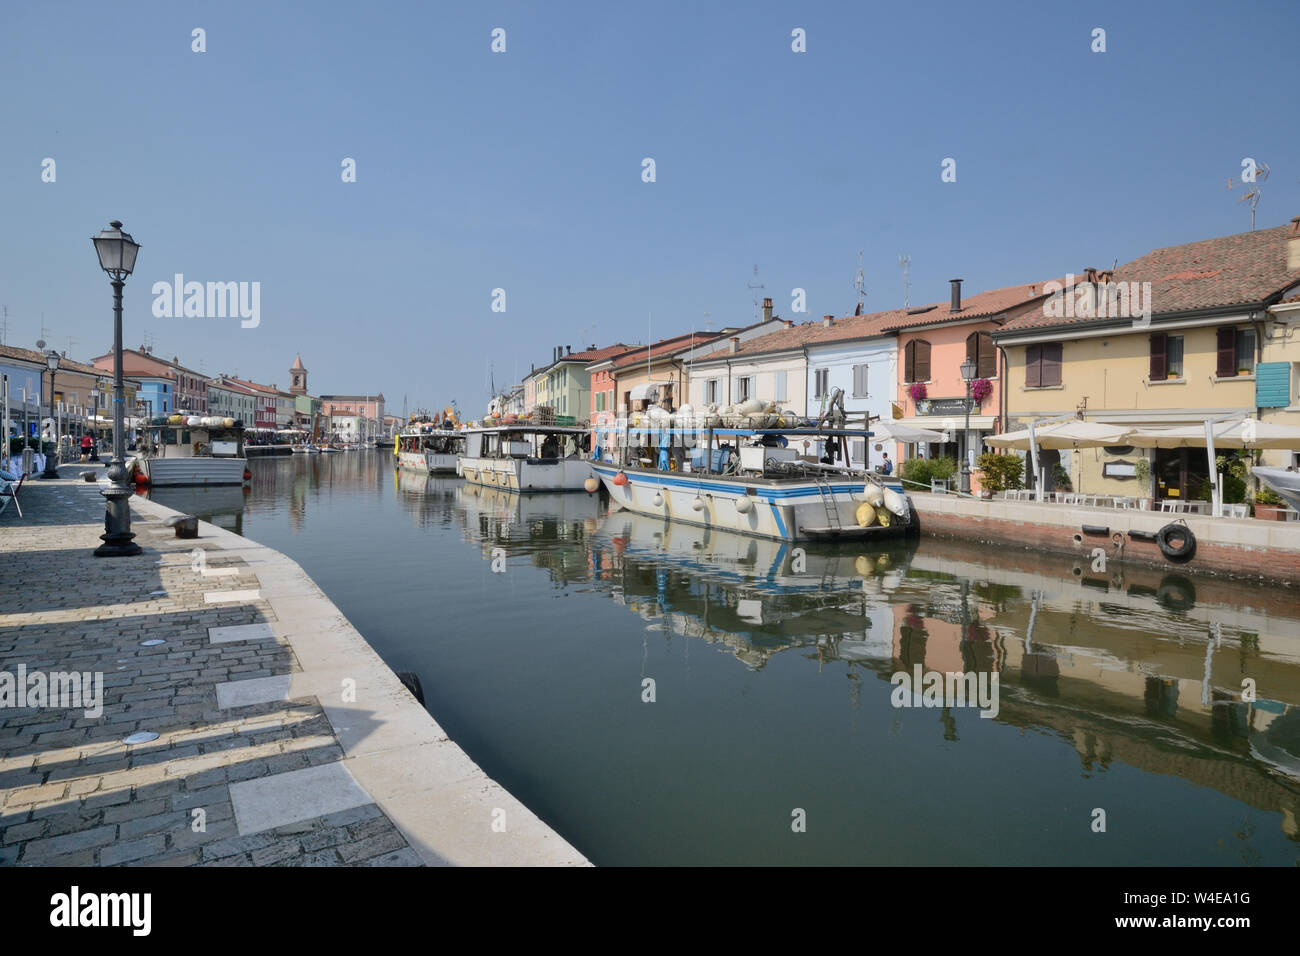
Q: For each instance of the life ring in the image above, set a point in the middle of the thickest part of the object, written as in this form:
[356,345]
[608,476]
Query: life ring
[1186,546]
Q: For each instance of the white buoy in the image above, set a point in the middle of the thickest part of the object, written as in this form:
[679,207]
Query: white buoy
[698,503]
[658,499]
[874,496]
[894,502]
[744,506]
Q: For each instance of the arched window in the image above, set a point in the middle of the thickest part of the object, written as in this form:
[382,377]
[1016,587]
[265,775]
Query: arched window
[916,361]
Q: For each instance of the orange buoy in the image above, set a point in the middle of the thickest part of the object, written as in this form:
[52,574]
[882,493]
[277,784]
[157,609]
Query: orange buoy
[591,484]
[621,478]
[247,474]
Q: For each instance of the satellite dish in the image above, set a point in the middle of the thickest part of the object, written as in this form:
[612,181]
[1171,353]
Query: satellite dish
[40,344]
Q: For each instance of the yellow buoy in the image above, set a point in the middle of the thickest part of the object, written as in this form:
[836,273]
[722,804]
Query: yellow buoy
[883,516]
[866,515]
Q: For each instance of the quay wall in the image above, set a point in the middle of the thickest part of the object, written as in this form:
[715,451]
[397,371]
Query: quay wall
[1243,549]
[447,808]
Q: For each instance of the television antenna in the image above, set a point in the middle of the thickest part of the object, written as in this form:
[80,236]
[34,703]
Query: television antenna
[72,345]
[754,287]
[860,283]
[905,263]
[4,325]
[1253,193]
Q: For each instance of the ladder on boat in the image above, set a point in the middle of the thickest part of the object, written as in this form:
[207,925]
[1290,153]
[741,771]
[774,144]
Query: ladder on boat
[828,501]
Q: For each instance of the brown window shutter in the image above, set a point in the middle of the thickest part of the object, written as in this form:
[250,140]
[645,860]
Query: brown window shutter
[1033,366]
[1158,357]
[988,357]
[909,362]
[1227,352]
[922,361]
[1052,364]
[973,347]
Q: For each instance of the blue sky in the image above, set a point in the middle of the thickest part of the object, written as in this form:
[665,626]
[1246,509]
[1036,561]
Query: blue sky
[522,170]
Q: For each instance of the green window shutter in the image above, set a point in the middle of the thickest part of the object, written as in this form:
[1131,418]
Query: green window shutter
[1273,384]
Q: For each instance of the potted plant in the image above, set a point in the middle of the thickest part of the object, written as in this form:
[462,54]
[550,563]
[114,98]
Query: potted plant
[1000,473]
[980,389]
[1269,506]
[1142,474]
[917,391]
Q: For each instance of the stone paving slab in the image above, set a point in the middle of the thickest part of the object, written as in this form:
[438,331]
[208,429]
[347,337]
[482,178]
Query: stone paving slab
[260,759]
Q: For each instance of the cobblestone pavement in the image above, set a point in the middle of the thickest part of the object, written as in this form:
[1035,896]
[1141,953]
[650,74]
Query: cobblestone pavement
[71,792]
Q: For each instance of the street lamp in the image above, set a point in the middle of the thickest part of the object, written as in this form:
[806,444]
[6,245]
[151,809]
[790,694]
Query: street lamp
[117,252]
[52,460]
[968,370]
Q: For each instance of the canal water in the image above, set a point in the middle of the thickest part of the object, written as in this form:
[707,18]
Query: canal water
[664,695]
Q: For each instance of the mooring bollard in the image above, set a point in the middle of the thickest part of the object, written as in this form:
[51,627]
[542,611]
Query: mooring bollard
[87,476]
[187,526]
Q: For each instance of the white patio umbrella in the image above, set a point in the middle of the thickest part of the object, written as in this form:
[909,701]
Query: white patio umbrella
[1223,432]
[1071,433]
[886,430]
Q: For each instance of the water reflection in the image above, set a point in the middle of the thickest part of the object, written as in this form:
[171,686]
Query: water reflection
[221,505]
[1171,694]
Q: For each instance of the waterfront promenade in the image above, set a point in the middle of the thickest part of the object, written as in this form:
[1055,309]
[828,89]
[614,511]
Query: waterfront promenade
[283,738]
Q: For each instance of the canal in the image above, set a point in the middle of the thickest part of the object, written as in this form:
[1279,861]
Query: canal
[662,695]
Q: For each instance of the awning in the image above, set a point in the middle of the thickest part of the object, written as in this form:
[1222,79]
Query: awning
[948,423]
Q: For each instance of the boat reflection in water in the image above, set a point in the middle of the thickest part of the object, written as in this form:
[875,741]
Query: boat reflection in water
[1159,672]
[552,530]
[428,497]
[221,505]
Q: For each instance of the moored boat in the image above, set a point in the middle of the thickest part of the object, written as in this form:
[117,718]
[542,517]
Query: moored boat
[749,480]
[428,448]
[192,450]
[526,457]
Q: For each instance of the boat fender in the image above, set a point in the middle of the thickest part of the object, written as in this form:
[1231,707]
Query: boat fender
[743,505]
[247,474]
[1142,535]
[894,502]
[1176,542]
[1096,529]
[412,683]
[883,516]
[873,496]
[866,514]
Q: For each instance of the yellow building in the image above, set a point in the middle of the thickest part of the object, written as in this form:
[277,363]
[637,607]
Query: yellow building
[1182,334]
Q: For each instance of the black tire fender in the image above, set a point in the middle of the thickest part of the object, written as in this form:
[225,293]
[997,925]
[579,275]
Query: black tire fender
[1184,549]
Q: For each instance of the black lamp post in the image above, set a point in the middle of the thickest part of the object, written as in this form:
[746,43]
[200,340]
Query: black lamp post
[52,459]
[968,370]
[117,252]
[94,425]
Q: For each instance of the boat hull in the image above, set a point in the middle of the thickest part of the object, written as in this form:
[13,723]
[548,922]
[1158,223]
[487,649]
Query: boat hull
[1285,483]
[786,511]
[175,472]
[427,462]
[526,474]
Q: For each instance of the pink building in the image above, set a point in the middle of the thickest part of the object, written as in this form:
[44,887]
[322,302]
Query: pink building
[933,342]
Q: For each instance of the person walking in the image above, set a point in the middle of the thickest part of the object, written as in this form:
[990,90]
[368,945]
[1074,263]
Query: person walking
[87,443]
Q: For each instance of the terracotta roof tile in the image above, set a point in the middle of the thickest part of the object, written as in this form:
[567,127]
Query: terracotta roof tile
[1245,269]
[977,308]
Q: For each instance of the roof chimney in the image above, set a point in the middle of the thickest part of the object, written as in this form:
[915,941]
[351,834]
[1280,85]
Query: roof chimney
[1090,274]
[568,350]
[1107,276]
[828,320]
[956,296]
[767,310]
[735,343]
[788,323]
[1293,246]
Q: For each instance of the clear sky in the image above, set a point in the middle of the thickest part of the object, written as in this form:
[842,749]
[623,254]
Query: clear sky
[522,170]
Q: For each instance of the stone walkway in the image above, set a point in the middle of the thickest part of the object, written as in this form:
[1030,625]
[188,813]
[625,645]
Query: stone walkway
[220,783]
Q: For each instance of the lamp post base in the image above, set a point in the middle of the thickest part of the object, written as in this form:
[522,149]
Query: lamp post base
[118,540]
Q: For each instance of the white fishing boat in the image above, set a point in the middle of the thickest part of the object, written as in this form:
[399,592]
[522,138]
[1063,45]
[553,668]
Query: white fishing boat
[429,448]
[526,457]
[192,450]
[1285,483]
[751,481]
